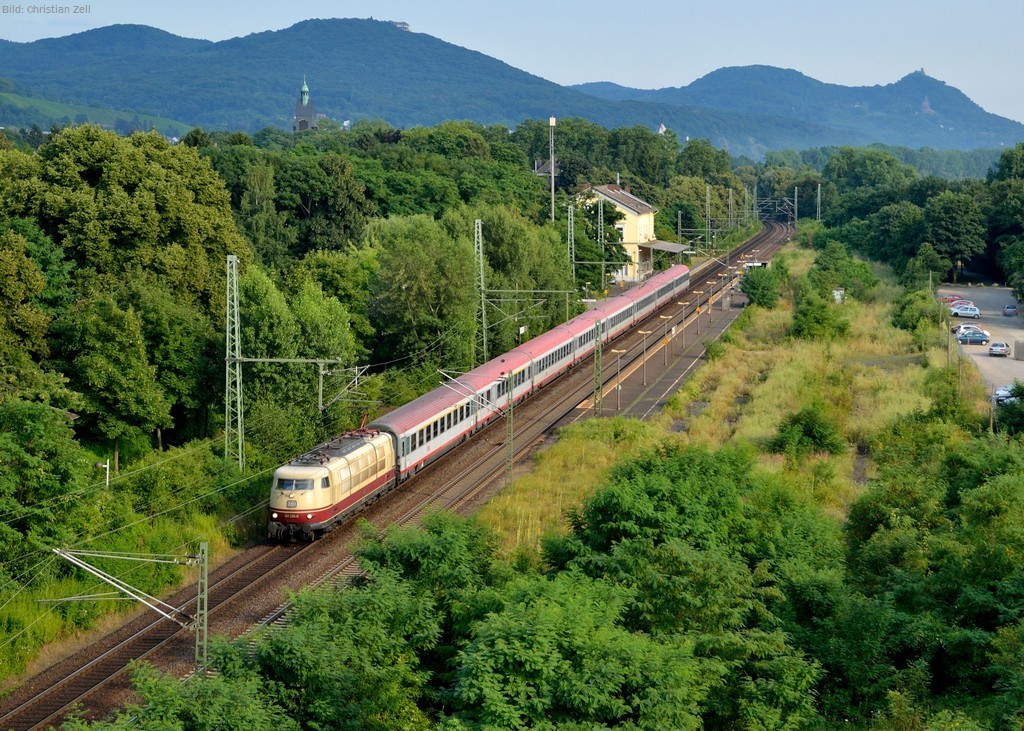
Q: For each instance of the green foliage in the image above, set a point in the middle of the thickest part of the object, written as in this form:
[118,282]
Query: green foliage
[42,467]
[235,702]
[106,359]
[761,285]
[834,269]
[807,431]
[955,227]
[425,305]
[1010,416]
[557,654]
[815,318]
[919,313]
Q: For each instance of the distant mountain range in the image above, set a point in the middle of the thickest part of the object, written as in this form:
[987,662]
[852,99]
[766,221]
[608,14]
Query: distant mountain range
[368,69]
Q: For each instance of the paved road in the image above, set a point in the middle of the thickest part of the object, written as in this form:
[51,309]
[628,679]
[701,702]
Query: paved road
[990,300]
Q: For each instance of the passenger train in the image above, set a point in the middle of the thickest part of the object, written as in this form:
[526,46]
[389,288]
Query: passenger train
[314,491]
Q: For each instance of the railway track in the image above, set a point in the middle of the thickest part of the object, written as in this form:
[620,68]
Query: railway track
[247,590]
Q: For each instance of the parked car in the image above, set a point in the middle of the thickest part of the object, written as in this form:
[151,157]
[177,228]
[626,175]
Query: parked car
[1001,394]
[972,337]
[999,348]
[965,311]
[960,327]
[957,303]
[1010,310]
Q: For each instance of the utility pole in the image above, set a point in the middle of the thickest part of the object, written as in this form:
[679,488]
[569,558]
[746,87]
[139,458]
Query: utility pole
[202,607]
[478,252]
[551,162]
[600,236]
[571,239]
[234,427]
[707,214]
[598,373]
[124,590]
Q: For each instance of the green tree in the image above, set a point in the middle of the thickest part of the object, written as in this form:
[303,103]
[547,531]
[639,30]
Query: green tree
[808,430]
[925,267]
[323,325]
[918,313]
[556,655]
[761,286]
[234,701]
[105,357]
[350,658]
[955,227]
[42,463]
[895,233]
[423,302]
[345,275]
[23,324]
[814,317]
[265,227]
[115,203]
[700,159]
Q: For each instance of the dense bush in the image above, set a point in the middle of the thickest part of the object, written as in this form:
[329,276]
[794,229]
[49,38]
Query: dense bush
[808,430]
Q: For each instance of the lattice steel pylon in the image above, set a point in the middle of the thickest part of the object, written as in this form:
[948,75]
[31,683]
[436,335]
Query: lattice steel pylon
[234,428]
[571,239]
[598,373]
[478,252]
[202,608]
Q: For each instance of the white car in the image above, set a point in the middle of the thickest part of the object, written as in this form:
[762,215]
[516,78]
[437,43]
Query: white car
[965,311]
[965,326]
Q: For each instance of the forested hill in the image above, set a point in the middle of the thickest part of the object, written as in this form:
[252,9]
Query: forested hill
[916,111]
[368,69]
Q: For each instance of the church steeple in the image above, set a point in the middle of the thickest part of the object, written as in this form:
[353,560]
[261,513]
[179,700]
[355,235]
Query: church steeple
[305,116]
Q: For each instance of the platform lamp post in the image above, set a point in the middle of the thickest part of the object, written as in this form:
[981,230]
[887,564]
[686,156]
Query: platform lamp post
[711,296]
[645,333]
[618,378]
[684,305]
[666,318]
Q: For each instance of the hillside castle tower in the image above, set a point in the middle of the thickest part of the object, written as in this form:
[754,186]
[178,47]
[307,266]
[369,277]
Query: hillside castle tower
[305,117]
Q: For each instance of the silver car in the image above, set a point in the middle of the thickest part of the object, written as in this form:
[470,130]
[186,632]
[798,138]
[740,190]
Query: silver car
[999,348]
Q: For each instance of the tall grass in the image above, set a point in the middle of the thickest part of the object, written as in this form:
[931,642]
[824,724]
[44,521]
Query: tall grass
[562,475]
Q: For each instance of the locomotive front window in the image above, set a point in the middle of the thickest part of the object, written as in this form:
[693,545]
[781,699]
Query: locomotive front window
[286,483]
[325,482]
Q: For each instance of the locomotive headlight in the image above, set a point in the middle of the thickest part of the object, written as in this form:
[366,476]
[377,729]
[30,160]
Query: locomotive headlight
[274,516]
[309,516]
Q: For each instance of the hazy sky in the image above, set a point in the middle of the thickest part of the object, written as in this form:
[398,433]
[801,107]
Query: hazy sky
[972,45]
